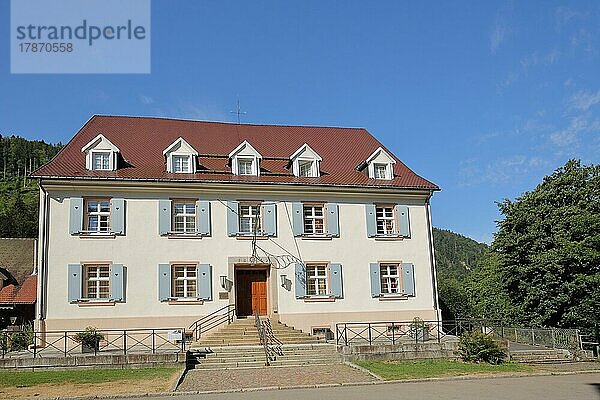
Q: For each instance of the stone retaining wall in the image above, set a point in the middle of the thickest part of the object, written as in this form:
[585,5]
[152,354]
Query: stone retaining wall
[403,351]
[98,361]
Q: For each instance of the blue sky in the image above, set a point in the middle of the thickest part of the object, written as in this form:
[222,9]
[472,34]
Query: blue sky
[483,98]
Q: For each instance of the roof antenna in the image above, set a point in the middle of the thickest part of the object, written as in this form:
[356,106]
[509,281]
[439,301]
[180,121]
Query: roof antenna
[238,111]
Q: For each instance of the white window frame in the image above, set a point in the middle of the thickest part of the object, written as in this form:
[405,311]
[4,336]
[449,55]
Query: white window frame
[96,281]
[313,288]
[313,218]
[385,219]
[99,214]
[187,216]
[186,279]
[249,160]
[312,170]
[388,279]
[109,154]
[252,216]
[381,167]
[177,169]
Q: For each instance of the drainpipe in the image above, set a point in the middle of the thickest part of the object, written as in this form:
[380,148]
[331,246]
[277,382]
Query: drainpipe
[432,257]
[43,254]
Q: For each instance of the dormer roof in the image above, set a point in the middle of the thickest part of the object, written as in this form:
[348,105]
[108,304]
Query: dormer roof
[245,149]
[306,151]
[380,156]
[180,146]
[100,142]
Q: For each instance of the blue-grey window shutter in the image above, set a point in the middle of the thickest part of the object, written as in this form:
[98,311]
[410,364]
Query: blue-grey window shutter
[333,221]
[371,220]
[375,280]
[204,281]
[164,216]
[117,282]
[403,220]
[300,271]
[74,282]
[203,220]
[76,215]
[233,222]
[408,279]
[117,215]
[335,278]
[297,218]
[270,218]
[164,281]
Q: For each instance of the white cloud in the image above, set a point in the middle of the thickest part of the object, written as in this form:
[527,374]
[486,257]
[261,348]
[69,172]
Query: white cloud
[146,99]
[503,170]
[584,100]
[500,34]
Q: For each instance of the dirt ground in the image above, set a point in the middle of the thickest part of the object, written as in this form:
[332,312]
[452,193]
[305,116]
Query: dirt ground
[273,376]
[105,388]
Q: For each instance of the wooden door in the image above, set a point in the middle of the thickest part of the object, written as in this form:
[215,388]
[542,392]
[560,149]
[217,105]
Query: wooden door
[259,296]
[251,292]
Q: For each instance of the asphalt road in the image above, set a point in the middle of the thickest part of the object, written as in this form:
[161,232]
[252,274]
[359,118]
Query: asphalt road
[560,387]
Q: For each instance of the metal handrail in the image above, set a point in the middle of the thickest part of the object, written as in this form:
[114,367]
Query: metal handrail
[261,335]
[274,345]
[213,320]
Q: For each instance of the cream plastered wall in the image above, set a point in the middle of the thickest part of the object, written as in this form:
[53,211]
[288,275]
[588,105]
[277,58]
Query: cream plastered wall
[142,249]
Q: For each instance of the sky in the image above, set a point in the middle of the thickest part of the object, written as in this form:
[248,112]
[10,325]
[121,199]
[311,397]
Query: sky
[482,98]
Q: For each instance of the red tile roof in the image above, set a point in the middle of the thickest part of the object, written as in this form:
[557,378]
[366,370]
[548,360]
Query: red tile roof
[141,141]
[24,294]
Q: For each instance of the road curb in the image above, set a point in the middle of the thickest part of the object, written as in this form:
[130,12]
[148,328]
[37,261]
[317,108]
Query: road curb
[328,385]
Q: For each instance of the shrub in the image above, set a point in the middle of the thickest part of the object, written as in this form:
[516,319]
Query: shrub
[479,347]
[21,340]
[90,337]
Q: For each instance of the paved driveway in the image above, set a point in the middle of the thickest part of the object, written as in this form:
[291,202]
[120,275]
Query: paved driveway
[559,387]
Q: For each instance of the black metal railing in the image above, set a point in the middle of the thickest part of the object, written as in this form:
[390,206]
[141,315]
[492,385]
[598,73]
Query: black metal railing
[271,345]
[103,341]
[418,331]
[274,345]
[213,320]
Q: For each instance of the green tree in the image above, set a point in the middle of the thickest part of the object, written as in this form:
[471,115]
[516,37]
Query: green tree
[548,249]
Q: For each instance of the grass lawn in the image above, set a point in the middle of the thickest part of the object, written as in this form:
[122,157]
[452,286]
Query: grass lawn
[391,370]
[21,379]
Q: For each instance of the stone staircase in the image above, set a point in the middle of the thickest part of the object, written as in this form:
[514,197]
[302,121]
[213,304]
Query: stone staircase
[541,356]
[238,346]
[242,332]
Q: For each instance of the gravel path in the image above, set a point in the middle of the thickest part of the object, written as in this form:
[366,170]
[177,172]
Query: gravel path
[272,376]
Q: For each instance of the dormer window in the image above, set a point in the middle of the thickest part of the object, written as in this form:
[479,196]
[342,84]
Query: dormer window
[101,161]
[245,166]
[182,164]
[245,160]
[181,157]
[100,154]
[380,165]
[380,171]
[305,162]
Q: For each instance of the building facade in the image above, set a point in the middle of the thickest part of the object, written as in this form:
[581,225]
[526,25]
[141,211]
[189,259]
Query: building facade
[148,222]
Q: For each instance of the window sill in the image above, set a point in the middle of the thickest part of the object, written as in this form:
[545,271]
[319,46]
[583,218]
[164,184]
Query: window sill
[251,237]
[389,238]
[185,302]
[103,235]
[179,235]
[95,303]
[393,297]
[316,237]
[319,299]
